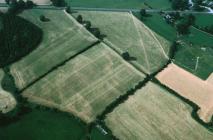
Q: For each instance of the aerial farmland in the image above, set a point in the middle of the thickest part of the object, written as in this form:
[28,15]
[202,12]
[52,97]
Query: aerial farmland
[106,70]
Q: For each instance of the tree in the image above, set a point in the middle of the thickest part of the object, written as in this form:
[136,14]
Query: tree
[88,25]
[143,12]
[125,55]
[79,18]
[68,9]
[43,18]
[58,3]
[180,4]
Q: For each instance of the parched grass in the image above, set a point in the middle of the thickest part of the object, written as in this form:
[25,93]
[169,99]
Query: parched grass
[86,84]
[125,33]
[159,4]
[153,113]
[63,38]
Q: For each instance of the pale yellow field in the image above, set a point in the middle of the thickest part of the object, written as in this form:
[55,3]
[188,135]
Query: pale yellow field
[125,33]
[155,114]
[191,87]
[7,101]
[210,79]
[63,38]
[86,84]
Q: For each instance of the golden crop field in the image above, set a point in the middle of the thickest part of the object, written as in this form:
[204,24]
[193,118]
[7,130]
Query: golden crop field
[63,38]
[125,33]
[86,84]
[155,114]
[190,87]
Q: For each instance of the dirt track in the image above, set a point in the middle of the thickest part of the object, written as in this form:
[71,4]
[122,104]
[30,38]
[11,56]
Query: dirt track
[191,87]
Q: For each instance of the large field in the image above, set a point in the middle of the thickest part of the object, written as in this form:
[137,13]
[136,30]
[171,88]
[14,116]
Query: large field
[86,84]
[155,114]
[125,33]
[157,4]
[61,40]
[190,87]
[203,20]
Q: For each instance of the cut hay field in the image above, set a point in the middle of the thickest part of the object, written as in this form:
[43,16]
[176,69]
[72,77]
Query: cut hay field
[190,87]
[158,4]
[125,33]
[86,84]
[155,114]
[7,101]
[63,38]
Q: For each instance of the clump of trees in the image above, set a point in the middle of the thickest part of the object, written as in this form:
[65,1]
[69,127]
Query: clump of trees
[58,3]
[183,25]
[43,18]
[87,24]
[18,37]
[180,4]
[19,5]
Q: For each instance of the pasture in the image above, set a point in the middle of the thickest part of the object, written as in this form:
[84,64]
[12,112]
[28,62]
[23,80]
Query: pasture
[41,124]
[190,87]
[203,20]
[197,45]
[134,4]
[125,33]
[86,84]
[63,38]
[155,114]
[158,25]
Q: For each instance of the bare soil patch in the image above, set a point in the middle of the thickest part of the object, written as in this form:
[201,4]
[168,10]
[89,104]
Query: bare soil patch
[190,87]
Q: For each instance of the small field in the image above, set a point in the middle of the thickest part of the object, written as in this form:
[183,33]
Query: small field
[155,114]
[7,101]
[125,33]
[138,4]
[61,40]
[190,87]
[86,84]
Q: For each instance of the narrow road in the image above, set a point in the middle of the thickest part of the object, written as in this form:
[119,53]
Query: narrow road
[49,7]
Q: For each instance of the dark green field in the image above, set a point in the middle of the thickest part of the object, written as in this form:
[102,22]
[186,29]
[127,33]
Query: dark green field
[159,4]
[159,25]
[44,125]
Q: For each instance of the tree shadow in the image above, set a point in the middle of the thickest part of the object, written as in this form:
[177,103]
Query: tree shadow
[18,38]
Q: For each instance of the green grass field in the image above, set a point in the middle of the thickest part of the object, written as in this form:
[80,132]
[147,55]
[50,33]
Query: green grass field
[204,20]
[63,37]
[86,84]
[125,33]
[186,55]
[159,4]
[159,25]
[44,125]
[155,114]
